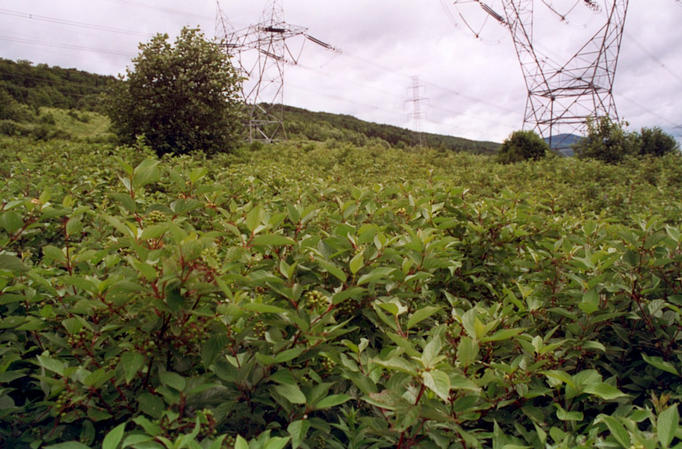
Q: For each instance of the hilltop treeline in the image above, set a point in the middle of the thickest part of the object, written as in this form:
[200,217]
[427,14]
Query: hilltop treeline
[322,126]
[42,85]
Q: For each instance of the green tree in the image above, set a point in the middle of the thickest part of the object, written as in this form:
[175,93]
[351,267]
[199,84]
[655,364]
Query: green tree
[655,142]
[607,141]
[181,97]
[521,146]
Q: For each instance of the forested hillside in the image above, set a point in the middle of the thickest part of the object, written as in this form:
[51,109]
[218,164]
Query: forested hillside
[322,126]
[42,85]
[24,83]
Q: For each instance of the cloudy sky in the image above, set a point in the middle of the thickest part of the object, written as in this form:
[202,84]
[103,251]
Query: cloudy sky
[467,86]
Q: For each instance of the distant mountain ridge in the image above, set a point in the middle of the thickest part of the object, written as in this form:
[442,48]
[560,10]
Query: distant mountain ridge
[563,143]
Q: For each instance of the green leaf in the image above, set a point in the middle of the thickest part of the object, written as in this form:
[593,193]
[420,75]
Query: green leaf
[503,334]
[151,405]
[438,382]
[11,222]
[298,430]
[605,391]
[398,364]
[74,226]
[262,308]
[467,351]
[288,355]
[292,393]
[12,263]
[376,275]
[590,302]
[272,240]
[564,415]
[254,218]
[97,378]
[331,401]
[173,380]
[658,362]
[617,429]
[154,231]
[421,314]
[174,298]
[276,442]
[430,357]
[68,445]
[145,173]
[131,362]
[212,348]
[54,253]
[114,437]
[667,424]
[241,443]
[333,269]
[51,364]
[356,263]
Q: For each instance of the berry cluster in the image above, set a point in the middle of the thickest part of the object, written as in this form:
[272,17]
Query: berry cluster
[347,307]
[155,216]
[316,299]
[147,348]
[259,329]
[327,365]
[79,340]
[63,400]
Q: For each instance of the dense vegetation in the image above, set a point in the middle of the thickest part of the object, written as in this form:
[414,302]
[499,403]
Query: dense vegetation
[611,142]
[42,85]
[311,295]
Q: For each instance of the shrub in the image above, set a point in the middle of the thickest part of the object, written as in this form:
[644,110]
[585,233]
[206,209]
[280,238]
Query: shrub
[655,142]
[182,97]
[521,146]
[607,141]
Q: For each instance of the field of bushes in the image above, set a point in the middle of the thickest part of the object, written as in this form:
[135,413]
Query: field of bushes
[323,295]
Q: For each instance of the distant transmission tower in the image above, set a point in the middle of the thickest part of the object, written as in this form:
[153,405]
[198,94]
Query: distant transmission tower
[564,95]
[260,52]
[417,114]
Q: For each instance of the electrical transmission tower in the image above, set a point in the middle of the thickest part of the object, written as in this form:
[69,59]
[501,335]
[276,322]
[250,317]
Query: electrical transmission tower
[562,96]
[417,114]
[261,52]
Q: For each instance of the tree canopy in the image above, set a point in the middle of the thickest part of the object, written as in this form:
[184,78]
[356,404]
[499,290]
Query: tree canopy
[521,146]
[181,97]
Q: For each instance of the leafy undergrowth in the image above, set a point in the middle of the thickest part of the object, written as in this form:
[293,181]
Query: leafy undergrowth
[309,296]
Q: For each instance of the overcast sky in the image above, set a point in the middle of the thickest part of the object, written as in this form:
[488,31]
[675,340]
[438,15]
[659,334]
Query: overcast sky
[468,87]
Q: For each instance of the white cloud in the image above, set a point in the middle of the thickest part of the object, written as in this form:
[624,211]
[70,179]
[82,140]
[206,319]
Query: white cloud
[474,87]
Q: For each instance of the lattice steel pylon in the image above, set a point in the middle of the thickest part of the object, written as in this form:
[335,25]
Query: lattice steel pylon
[562,97]
[261,52]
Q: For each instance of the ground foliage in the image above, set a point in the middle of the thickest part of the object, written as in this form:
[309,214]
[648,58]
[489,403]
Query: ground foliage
[311,295]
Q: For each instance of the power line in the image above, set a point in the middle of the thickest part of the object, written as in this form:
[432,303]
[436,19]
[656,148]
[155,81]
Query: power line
[653,57]
[55,20]
[65,46]
[654,113]
[165,9]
